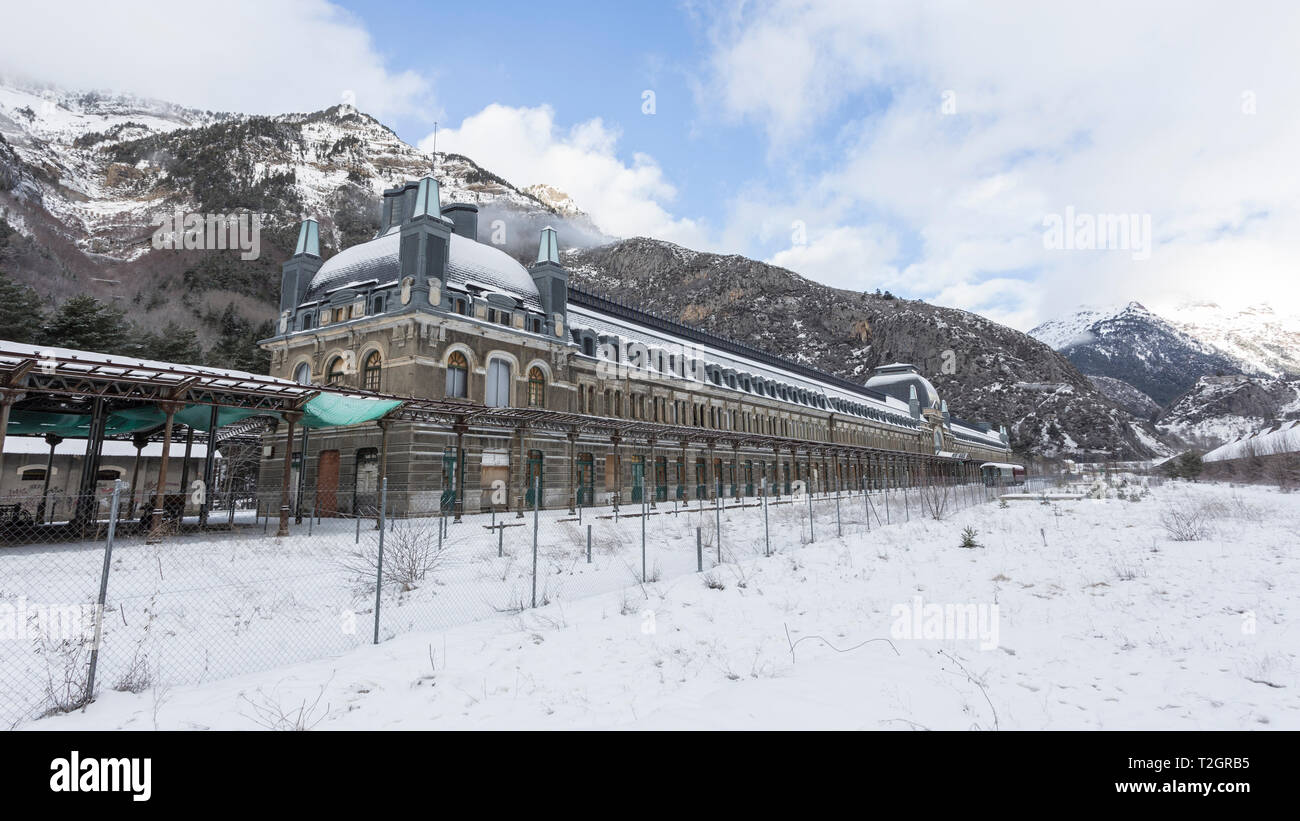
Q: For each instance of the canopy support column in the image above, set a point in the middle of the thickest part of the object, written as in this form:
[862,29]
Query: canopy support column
[158,524]
[209,463]
[290,418]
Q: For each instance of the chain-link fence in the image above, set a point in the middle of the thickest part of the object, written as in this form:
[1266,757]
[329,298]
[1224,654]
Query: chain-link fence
[140,599]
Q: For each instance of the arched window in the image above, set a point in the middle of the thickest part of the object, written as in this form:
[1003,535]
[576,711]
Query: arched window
[371,370]
[302,374]
[457,375]
[536,388]
[334,374]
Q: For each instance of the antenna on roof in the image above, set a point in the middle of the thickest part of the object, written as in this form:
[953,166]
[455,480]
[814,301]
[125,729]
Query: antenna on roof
[435,148]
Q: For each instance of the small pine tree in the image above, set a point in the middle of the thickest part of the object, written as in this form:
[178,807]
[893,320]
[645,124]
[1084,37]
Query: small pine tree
[22,317]
[968,538]
[87,324]
[1190,465]
[175,344]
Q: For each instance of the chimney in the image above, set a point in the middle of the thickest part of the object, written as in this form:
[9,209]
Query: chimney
[465,217]
[913,404]
[552,282]
[297,271]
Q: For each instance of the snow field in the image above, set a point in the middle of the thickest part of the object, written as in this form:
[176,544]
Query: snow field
[1103,622]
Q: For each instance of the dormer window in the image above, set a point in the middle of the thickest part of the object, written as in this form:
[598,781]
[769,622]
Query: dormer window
[462,306]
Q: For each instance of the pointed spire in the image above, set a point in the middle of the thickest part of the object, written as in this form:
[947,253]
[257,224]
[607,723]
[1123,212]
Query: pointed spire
[913,404]
[548,250]
[943,408]
[308,239]
[428,202]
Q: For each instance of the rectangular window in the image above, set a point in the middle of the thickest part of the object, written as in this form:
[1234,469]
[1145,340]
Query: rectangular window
[498,384]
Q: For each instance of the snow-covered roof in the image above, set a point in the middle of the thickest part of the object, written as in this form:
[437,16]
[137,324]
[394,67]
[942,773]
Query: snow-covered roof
[603,324]
[1275,439]
[467,261]
[73,361]
[897,385]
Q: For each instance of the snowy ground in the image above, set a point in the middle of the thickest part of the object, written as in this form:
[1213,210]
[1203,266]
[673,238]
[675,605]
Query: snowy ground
[1102,621]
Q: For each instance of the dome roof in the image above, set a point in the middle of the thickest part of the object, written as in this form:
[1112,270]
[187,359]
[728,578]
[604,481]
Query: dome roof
[896,380]
[468,261]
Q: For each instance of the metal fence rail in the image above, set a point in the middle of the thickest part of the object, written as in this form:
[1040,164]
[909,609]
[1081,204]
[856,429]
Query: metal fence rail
[97,601]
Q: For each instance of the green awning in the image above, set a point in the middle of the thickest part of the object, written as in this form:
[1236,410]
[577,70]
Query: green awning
[324,411]
[331,411]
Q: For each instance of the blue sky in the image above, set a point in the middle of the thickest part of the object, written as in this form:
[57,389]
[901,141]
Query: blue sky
[919,147]
[586,61]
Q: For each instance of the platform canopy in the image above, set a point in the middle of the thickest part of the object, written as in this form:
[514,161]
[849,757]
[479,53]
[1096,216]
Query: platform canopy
[62,383]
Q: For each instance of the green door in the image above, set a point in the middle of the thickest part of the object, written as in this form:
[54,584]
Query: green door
[681,479]
[449,479]
[785,472]
[638,480]
[749,477]
[533,477]
[699,478]
[661,479]
[586,479]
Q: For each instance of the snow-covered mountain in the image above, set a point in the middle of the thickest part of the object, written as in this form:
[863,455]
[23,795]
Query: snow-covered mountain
[1214,372]
[1219,409]
[1136,346]
[82,177]
[1126,396]
[1262,340]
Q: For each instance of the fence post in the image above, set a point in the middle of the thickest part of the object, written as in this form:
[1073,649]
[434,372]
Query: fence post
[379,565]
[886,495]
[717,510]
[588,544]
[812,535]
[866,503]
[839,527]
[767,534]
[645,514]
[699,550]
[537,506]
[358,539]
[103,592]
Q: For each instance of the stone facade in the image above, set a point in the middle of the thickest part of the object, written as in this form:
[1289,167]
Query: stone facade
[444,317]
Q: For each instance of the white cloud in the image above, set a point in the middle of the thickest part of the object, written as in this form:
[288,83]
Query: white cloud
[526,146]
[1112,108]
[853,258]
[248,56]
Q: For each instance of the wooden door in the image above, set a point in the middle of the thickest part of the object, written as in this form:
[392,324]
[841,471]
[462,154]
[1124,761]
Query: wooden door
[327,483]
